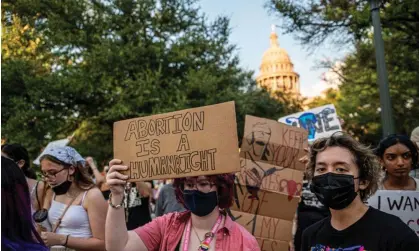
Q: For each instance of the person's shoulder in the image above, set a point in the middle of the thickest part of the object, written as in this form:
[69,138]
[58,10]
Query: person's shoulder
[396,230]
[390,224]
[383,219]
[94,193]
[93,196]
[172,217]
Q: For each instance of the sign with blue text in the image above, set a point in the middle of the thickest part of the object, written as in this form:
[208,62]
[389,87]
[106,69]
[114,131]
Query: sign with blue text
[320,122]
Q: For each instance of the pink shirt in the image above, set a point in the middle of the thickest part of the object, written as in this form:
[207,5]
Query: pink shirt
[164,234]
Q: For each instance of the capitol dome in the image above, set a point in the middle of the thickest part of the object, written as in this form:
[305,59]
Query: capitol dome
[276,70]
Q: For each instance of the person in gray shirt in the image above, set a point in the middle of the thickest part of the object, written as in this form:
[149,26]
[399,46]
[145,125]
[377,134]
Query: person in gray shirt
[166,202]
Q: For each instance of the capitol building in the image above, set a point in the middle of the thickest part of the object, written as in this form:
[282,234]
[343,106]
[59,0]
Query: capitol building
[277,71]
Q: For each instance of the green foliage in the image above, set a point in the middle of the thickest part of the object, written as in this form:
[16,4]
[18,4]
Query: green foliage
[81,66]
[348,23]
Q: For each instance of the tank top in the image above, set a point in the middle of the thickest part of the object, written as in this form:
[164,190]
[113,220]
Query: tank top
[75,221]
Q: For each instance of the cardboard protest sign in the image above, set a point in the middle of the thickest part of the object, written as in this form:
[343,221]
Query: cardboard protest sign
[57,143]
[404,204]
[269,183]
[264,227]
[272,245]
[271,204]
[192,142]
[281,180]
[320,122]
[273,143]
[270,179]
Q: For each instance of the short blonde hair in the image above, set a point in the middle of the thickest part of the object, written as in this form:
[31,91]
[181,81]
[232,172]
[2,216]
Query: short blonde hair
[366,161]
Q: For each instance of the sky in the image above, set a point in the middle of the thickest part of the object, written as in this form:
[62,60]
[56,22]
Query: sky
[251,26]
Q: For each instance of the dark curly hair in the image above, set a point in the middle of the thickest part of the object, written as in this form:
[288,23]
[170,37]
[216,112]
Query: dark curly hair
[394,139]
[224,183]
[366,161]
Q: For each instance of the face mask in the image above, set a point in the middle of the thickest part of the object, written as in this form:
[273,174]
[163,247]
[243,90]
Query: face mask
[336,191]
[62,188]
[200,204]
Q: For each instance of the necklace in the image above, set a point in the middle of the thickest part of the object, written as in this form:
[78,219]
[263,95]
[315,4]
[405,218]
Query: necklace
[196,234]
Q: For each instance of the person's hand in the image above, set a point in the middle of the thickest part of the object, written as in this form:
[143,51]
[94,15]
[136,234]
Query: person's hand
[52,239]
[89,160]
[115,179]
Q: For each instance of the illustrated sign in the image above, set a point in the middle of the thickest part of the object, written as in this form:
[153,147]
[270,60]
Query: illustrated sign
[192,142]
[53,144]
[404,204]
[320,122]
[269,183]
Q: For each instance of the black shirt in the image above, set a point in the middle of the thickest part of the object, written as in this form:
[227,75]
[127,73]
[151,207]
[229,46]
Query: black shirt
[375,231]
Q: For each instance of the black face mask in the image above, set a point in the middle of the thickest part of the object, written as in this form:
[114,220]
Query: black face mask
[199,203]
[336,191]
[62,188]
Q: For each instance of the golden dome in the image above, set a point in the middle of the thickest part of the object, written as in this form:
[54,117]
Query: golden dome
[277,70]
[275,54]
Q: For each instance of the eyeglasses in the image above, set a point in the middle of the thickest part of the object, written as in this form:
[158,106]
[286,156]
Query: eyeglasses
[51,174]
[203,186]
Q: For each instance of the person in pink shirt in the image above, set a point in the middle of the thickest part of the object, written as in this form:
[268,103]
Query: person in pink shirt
[205,226]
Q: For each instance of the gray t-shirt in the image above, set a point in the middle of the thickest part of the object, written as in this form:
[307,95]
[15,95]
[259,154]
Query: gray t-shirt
[167,203]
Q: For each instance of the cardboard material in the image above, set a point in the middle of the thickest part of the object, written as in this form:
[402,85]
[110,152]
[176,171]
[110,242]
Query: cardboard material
[404,204]
[192,142]
[272,245]
[264,227]
[320,121]
[281,180]
[52,144]
[265,203]
[273,143]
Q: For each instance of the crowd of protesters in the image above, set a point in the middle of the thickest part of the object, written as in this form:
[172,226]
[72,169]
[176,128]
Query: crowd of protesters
[74,204]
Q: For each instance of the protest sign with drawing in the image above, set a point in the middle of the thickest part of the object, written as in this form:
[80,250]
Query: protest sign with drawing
[52,144]
[404,204]
[320,122]
[269,183]
[192,142]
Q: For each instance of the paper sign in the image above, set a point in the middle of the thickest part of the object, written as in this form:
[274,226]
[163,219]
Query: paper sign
[404,204]
[320,122]
[193,142]
[53,144]
[264,227]
[272,245]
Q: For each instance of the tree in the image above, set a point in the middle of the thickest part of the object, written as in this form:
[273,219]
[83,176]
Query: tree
[348,23]
[113,60]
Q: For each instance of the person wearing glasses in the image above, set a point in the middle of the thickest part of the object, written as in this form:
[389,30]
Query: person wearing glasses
[203,226]
[77,209]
